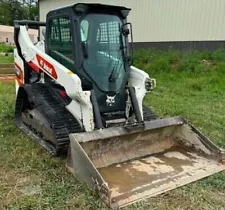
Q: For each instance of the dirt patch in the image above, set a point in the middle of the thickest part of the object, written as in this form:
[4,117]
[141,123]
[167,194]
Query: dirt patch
[208,63]
[6,78]
[31,190]
[15,185]
[18,178]
[6,65]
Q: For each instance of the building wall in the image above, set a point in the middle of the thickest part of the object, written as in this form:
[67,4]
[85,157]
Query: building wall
[6,37]
[7,34]
[165,20]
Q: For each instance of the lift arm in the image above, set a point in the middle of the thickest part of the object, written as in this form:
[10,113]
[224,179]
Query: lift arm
[41,62]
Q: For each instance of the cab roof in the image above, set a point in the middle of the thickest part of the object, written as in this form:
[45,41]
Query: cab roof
[81,8]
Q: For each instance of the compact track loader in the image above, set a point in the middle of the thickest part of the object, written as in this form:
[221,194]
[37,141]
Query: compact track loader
[77,94]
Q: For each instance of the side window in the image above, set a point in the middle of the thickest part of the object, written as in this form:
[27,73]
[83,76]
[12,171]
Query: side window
[60,41]
[84,30]
[65,30]
[54,33]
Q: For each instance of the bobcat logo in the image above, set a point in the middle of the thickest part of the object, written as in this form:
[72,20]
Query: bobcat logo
[110,101]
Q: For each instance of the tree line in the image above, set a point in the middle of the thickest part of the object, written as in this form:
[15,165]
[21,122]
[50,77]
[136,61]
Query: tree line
[11,10]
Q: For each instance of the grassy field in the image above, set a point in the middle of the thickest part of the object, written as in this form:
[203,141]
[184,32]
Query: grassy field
[6,49]
[190,84]
[6,59]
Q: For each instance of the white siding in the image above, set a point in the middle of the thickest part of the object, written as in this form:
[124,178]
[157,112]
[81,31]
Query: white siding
[164,20]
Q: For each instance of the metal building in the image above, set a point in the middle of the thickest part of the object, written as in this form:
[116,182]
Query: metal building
[163,23]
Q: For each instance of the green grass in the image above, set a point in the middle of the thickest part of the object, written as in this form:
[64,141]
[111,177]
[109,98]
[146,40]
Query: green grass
[6,59]
[4,48]
[188,84]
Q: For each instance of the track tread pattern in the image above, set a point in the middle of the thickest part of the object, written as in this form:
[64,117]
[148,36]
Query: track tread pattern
[148,115]
[53,109]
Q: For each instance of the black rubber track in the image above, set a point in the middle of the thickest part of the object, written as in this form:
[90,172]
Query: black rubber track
[45,99]
[148,115]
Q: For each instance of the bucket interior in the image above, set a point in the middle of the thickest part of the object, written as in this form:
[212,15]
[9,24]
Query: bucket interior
[156,173]
[150,162]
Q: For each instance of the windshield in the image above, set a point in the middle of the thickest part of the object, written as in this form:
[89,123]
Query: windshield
[104,45]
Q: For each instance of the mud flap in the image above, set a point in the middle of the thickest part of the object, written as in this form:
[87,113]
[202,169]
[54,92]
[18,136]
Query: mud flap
[126,166]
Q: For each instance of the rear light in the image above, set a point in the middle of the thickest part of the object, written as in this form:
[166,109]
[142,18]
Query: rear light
[63,94]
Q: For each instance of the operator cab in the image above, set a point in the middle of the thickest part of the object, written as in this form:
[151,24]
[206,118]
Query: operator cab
[91,40]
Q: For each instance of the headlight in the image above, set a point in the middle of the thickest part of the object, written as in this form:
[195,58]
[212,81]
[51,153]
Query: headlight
[150,84]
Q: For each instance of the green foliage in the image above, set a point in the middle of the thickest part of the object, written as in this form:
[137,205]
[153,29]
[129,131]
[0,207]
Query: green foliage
[6,16]
[33,13]
[4,48]
[190,61]
[11,10]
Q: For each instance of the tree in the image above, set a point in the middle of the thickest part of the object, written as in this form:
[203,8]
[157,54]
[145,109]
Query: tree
[32,7]
[11,10]
[5,14]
